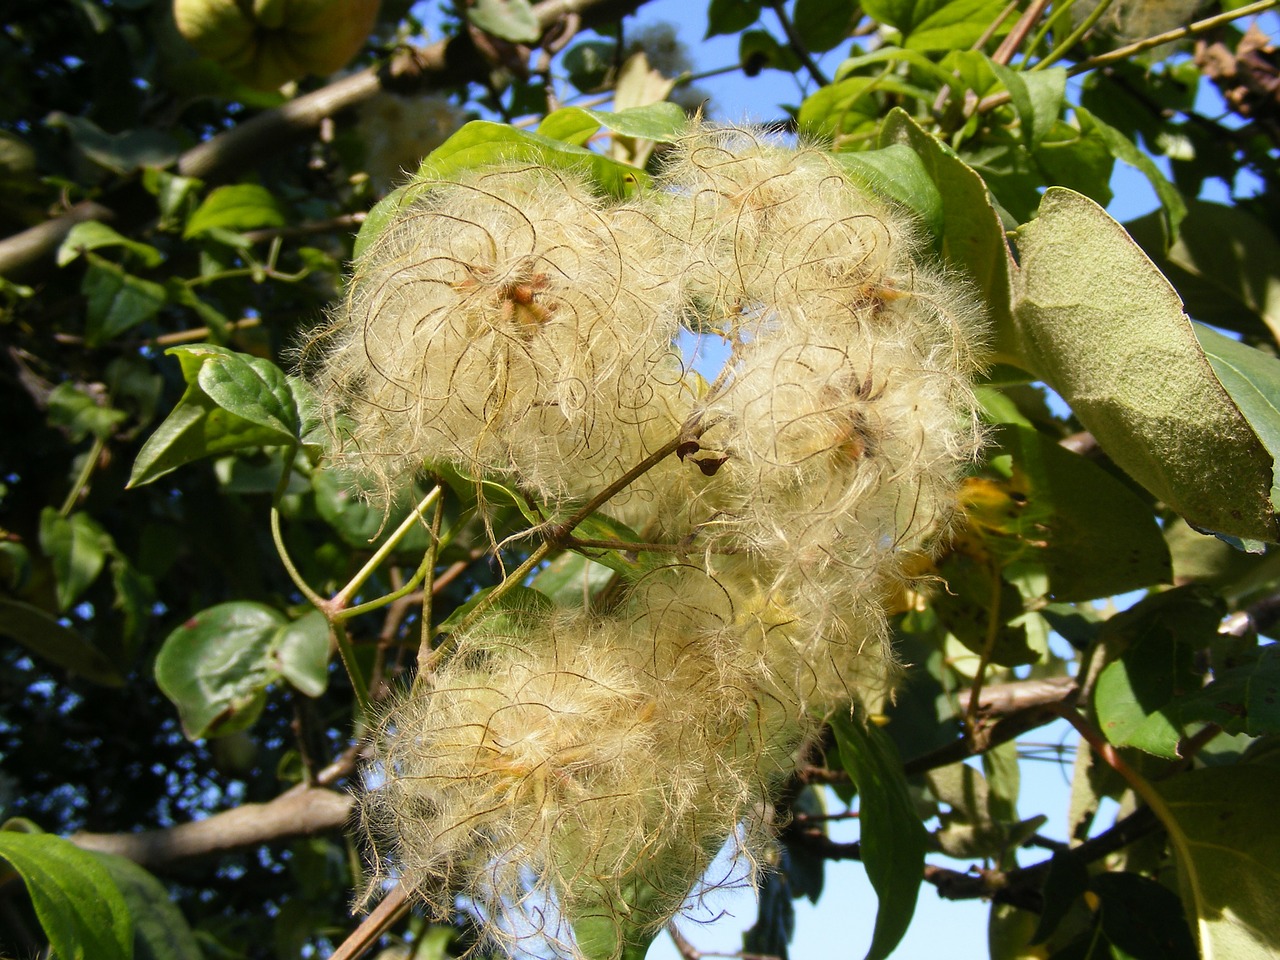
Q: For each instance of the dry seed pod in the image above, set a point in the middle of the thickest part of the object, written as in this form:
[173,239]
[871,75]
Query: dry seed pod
[507,323]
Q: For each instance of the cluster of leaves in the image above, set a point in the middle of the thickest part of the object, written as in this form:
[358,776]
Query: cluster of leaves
[162,664]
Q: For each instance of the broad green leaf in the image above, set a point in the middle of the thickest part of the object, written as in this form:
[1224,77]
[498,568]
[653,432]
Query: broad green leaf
[1037,97]
[173,195]
[1224,263]
[823,24]
[972,240]
[954,25]
[1157,639]
[571,580]
[482,143]
[216,667]
[663,121]
[1221,822]
[759,50]
[238,207]
[1244,698]
[843,108]
[76,411]
[897,172]
[160,931]
[731,16]
[1126,151]
[1141,918]
[508,611]
[893,839]
[77,546]
[903,14]
[121,153]
[510,20]
[300,653]
[116,301]
[1252,380]
[623,931]
[1067,879]
[589,64]
[92,235]
[1096,321]
[965,609]
[78,904]
[340,504]
[232,401]
[1093,535]
[631,564]
[251,388]
[43,635]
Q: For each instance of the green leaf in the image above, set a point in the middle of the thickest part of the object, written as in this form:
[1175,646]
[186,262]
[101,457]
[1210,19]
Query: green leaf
[43,635]
[897,172]
[1141,918]
[80,414]
[508,611]
[232,401]
[841,109]
[341,505]
[589,64]
[173,195]
[1067,879]
[893,839]
[1221,822]
[160,931]
[954,25]
[631,565]
[1037,97]
[1096,321]
[972,239]
[216,667]
[1224,263]
[571,579]
[1252,380]
[300,653]
[1158,638]
[483,142]
[1244,698]
[663,121]
[77,546]
[242,206]
[1126,151]
[759,50]
[92,235]
[823,24]
[116,301]
[731,16]
[965,609]
[1093,535]
[121,153]
[77,902]
[511,20]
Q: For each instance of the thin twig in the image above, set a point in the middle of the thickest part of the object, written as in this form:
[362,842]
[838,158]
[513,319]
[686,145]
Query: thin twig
[797,45]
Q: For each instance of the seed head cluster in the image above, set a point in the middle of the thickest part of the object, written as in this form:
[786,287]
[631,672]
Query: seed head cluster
[513,324]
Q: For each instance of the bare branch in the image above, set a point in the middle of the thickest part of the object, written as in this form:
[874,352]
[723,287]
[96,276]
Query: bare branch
[302,812]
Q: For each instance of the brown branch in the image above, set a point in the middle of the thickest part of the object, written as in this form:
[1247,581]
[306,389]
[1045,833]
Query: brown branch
[301,812]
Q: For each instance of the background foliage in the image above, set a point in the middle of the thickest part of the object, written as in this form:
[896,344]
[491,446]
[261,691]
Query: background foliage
[175,704]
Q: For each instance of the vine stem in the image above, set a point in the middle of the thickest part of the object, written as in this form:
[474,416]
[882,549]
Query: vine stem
[319,602]
[343,596]
[82,478]
[429,562]
[1061,50]
[1141,786]
[1139,46]
[989,644]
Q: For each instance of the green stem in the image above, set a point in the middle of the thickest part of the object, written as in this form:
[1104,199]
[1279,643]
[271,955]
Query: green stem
[493,596]
[354,673]
[82,478]
[304,588]
[1061,50]
[1059,11]
[1169,36]
[424,645]
[343,596]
